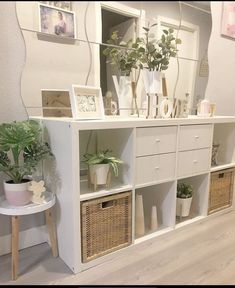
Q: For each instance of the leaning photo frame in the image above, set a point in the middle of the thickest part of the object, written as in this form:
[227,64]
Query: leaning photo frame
[56,21]
[86,102]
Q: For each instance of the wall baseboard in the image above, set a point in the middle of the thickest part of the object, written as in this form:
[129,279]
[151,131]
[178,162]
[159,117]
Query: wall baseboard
[27,238]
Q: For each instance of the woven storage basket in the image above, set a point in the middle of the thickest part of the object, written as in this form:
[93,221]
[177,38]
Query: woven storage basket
[106,225]
[221,190]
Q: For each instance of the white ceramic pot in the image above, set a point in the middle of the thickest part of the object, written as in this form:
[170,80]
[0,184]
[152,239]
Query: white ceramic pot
[204,108]
[124,92]
[183,206]
[17,194]
[101,171]
[152,81]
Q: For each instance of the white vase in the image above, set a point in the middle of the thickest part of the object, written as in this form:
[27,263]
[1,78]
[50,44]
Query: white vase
[152,81]
[139,216]
[124,93]
[183,206]
[154,220]
[101,172]
[17,194]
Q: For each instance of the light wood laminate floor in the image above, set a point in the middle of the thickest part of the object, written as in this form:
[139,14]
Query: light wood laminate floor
[201,253]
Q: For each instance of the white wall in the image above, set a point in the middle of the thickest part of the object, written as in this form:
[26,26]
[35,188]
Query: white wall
[12,58]
[221,84]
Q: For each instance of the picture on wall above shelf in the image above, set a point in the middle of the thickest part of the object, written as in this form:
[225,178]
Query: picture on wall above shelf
[67,5]
[56,21]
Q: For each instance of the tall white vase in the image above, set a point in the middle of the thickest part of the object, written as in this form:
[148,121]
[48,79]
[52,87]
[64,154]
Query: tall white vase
[153,87]
[154,220]
[124,93]
[139,216]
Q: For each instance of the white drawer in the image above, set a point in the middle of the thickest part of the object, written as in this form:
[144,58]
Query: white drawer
[155,168]
[193,162]
[155,140]
[195,137]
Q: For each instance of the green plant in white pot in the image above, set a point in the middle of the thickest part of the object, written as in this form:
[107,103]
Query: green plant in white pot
[21,150]
[99,165]
[184,199]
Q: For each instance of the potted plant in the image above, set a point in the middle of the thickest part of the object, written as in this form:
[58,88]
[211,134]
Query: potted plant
[21,149]
[99,165]
[155,56]
[184,199]
[125,57]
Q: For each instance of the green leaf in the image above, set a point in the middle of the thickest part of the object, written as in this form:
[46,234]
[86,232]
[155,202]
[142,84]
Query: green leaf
[146,29]
[165,31]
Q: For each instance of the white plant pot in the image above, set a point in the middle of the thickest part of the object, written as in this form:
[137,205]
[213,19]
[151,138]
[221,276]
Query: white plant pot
[183,206]
[101,171]
[124,92]
[17,194]
[152,81]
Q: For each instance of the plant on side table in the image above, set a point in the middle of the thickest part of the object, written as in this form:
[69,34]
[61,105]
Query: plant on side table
[184,199]
[99,165]
[21,150]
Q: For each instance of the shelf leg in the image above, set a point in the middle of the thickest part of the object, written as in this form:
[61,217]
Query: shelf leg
[14,246]
[52,232]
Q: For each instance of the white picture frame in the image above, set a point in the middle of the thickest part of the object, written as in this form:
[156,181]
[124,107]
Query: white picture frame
[56,21]
[86,102]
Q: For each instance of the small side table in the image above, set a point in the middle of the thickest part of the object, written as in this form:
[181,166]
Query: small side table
[32,208]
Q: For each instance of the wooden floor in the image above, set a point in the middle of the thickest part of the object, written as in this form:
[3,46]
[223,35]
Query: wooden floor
[202,253]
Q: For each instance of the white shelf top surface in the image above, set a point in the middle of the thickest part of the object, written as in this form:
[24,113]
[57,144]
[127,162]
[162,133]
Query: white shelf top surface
[31,208]
[131,122]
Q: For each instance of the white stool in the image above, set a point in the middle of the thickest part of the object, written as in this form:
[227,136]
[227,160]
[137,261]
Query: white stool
[15,212]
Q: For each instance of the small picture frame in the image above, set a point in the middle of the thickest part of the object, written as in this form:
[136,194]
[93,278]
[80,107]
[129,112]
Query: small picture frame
[86,102]
[67,5]
[56,21]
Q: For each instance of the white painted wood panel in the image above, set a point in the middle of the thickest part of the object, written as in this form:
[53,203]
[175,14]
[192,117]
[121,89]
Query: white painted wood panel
[155,140]
[155,168]
[195,137]
[193,162]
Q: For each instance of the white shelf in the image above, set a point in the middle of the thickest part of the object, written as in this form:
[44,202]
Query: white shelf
[222,166]
[116,187]
[149,235]
[189,221]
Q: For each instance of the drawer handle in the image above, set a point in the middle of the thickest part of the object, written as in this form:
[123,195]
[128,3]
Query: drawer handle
[194,161]
[107,204]
[156,167]
[157,140]
[196,137]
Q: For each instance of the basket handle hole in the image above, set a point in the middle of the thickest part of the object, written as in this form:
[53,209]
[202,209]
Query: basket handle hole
[107,204]
[221,175]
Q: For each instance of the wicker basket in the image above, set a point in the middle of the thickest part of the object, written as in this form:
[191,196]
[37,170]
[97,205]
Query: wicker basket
[221,190]
[106,225]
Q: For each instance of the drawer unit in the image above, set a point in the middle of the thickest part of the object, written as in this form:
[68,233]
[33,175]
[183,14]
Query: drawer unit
[155,140]
[193,162]
[195,137]
[155,168]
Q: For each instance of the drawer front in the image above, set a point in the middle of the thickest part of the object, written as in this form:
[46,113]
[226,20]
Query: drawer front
[155,140]
[155,168]
[192,162]
[195,137]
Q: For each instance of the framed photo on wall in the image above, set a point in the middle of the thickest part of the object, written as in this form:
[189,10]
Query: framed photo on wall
[67,5]
[228,19]
[56,21]
[86,102]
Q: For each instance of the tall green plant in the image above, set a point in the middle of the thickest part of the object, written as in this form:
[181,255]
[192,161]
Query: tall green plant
[21,149]
[155,54]
[125,57]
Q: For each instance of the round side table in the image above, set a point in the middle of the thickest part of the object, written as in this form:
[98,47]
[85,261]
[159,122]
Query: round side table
[32,208]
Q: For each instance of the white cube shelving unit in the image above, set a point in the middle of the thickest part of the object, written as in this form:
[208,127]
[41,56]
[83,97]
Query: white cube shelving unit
[157,154]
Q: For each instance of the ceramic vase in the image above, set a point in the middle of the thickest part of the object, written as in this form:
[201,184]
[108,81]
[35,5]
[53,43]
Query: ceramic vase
[154,220]
[139,216]
[183,206]
[101,172]
[124,92]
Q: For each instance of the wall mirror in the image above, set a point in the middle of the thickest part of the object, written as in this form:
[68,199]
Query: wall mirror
[54,62]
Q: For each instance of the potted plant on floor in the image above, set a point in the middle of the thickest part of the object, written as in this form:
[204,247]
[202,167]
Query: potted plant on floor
[21,150]
[99,165]
[184,199]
